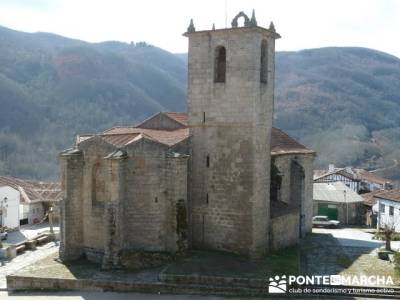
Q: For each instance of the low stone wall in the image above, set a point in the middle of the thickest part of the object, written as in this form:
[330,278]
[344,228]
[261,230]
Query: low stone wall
[34,283]
[15,282]
[284,231]
[213,280]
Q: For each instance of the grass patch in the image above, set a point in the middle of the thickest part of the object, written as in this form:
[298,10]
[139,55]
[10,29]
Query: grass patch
[286,261]
[380,236]
[52,267]
[344,261]
[397,263]
[220,264]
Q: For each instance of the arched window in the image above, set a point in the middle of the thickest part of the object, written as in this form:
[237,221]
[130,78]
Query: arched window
[220,64]
[264,62]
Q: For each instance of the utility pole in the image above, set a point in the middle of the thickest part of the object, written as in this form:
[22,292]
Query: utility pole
[347,207]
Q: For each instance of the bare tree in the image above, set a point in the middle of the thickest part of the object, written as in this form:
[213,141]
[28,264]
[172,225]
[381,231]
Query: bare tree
[388,230]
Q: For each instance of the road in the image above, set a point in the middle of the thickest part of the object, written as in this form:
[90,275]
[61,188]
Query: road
[355,237]
[25,259]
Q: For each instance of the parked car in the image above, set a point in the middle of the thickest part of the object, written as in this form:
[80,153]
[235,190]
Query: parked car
[323,221]
[3,235]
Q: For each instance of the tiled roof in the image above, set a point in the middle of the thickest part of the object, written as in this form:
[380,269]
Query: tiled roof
[282,143]
[356,175]
[393,195]
[371,177]
[369,198]
[334,192]
[122,136]
[342,171]
[179,117]
[33,191]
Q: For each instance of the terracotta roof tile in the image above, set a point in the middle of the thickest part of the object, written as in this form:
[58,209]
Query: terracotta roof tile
[341,171]
[122,136]
[393,195]
[34,190]
[371,177]
[282,143]
[369,198]
[179,117]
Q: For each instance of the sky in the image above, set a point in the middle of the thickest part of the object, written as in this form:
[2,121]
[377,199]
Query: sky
[302,24]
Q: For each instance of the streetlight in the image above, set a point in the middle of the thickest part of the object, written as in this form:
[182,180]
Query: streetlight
[347,208]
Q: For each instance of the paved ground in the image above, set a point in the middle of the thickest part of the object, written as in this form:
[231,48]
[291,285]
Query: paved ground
[354,237]
[125,296]
[25,259]
[345,251]
[27,232]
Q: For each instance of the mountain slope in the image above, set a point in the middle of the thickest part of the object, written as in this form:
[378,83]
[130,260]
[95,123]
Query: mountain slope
[52,88]
[342,102]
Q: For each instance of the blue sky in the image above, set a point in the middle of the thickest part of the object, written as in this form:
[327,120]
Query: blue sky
[302,23]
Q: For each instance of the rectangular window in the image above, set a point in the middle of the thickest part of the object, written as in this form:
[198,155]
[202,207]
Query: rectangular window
[208,161]
[391,210]
[204,117]
[207,198]
[382,208]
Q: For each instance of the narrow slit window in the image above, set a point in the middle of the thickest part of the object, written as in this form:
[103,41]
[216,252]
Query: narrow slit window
[264,62]
[204,117]
[208,161]
[207,198]
[220,64]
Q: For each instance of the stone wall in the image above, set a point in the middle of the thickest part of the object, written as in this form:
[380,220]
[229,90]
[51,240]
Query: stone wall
[126,202]
[155,181]
[96,193]
[288,193]
[71,225]
[230,123]
[284,231]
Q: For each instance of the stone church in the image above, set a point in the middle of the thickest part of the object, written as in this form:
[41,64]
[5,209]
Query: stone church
[218,177]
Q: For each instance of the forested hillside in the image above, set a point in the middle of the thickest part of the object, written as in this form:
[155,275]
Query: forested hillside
[342,102]
[52,88]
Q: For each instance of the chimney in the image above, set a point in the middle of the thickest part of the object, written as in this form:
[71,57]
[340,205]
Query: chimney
[331,167]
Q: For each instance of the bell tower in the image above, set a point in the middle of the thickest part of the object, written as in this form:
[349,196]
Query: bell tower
[230,107]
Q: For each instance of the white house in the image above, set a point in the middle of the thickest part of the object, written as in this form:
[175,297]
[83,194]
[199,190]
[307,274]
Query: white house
[387,208]
[9,207]
[34,198]
[344,175]
[359,180]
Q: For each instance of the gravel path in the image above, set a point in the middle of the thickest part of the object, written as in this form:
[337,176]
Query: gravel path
[25,259]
